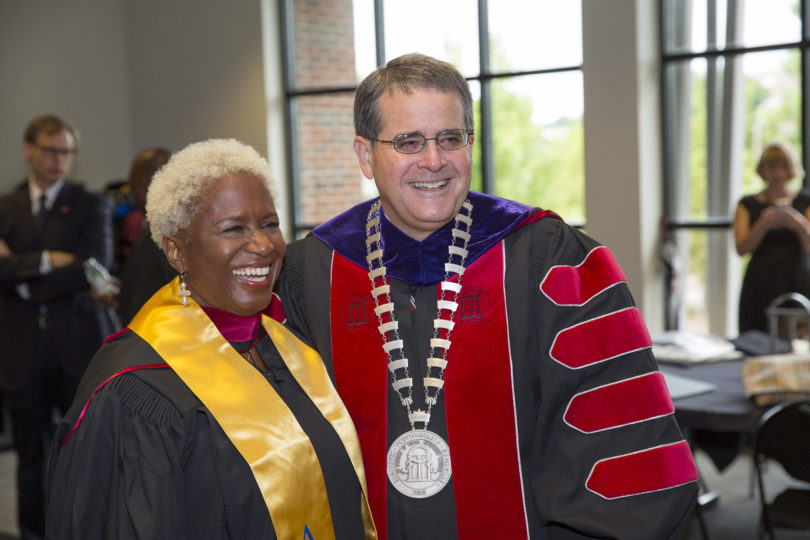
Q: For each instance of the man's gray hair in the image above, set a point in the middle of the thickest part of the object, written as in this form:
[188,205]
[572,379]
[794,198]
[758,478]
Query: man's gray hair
[406,73]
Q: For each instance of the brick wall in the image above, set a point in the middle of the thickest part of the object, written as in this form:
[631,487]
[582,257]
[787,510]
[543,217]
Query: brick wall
[330,179]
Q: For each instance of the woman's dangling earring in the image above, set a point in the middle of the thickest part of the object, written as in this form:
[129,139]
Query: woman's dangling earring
[185,293]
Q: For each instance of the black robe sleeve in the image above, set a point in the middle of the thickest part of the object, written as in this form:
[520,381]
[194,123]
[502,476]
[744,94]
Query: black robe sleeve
[558,458]
[148,461]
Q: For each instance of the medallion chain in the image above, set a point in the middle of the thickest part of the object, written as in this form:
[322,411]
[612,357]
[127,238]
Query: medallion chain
[446,307]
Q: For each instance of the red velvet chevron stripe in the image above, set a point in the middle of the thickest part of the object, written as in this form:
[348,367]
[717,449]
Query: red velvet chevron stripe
[620,403]
[653,469]
[601,339]
[575,285]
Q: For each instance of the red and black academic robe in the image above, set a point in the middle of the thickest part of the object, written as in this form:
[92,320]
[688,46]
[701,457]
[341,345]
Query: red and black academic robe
[558,422]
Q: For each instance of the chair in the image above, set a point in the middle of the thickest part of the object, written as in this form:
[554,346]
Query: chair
[783,436]
[784,314]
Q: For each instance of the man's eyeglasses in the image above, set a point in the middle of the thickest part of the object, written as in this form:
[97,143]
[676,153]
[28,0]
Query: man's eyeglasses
[61,152]
[412,143]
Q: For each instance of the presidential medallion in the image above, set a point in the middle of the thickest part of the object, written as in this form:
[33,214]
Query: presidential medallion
[419,463]
[419,460]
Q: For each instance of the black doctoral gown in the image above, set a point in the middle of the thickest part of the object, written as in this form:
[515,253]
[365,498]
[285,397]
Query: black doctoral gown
[144,458]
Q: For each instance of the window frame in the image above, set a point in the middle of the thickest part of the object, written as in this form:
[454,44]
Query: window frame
[669,122]
[483,132]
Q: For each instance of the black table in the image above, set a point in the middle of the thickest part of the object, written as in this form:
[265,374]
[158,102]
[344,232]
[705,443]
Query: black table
[725,409]
[720,421]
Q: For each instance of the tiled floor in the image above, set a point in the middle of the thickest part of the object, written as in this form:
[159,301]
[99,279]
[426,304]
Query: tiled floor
[8,502]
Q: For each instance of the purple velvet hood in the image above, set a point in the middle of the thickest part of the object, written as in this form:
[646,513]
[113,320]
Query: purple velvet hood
[422,263]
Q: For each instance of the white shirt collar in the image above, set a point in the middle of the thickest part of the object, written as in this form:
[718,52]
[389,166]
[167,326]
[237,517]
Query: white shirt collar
[50,193]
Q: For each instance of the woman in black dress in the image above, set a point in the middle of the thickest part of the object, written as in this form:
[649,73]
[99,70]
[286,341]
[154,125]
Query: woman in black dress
[773,226]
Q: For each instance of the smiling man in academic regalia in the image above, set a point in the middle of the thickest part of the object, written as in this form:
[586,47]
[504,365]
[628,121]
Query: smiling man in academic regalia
[498,374]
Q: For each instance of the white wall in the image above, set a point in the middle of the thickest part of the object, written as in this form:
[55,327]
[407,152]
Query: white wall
[623,200]
[195,71]
[66,58]
[130,75]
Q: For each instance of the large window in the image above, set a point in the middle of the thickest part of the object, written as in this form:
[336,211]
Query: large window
[524,64]
[733,78]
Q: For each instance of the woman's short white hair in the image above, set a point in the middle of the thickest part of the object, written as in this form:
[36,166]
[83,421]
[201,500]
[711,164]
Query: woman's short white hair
[175,194]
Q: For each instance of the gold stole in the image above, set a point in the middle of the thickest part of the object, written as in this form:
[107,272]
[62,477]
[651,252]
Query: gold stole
[252,414]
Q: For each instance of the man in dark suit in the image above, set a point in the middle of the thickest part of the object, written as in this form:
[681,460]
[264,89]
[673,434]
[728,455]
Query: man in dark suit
[146,268]
[50,324]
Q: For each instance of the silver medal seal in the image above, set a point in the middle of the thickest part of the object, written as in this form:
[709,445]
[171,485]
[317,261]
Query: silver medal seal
[419,463]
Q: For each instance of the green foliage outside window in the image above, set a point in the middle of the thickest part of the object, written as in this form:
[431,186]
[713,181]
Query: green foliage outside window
[538,165]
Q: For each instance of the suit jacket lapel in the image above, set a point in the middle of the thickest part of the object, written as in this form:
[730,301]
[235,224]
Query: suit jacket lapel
[22,202]
[22,236]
